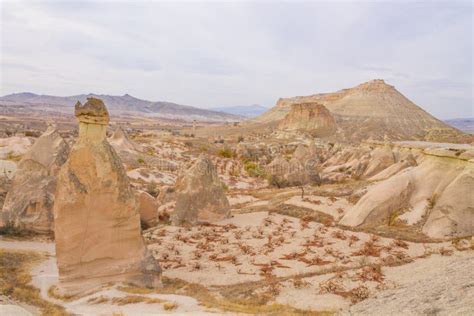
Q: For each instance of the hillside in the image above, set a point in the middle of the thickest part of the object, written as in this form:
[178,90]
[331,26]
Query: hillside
[372,110]
[118,105]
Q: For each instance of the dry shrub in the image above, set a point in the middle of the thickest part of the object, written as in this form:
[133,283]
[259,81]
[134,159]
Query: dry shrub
[169,306]
[299,283]
[359,294]
[332,286]
[134,299]
[339,234]
[353,239]
[98,300]
[445,252]
[371,273]
[399,243]
[369,249]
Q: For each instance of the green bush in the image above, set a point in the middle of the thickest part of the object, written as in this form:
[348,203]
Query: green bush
[226,153]
[253,169]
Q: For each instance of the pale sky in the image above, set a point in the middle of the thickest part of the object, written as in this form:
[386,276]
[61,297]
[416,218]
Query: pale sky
[210,54]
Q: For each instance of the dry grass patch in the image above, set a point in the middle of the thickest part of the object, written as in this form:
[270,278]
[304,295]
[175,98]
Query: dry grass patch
[305,214]
[15,281]
[134,299]
[234,299]
[52,292]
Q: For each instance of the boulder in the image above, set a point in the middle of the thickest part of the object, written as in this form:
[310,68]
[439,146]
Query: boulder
[29,202]
[97,225]
[277,170]
[301,153]
[147,207]
[200,195]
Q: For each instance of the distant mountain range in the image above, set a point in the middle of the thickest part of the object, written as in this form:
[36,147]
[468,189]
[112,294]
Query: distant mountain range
[249,111]
[464,124]
[117,105]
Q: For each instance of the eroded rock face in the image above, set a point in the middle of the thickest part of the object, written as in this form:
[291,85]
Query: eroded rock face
[29,203]
[433,194]
[200,195]
[97,225]
[309,117]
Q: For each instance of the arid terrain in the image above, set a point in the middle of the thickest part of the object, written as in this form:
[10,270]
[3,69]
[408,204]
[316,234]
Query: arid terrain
[356,202]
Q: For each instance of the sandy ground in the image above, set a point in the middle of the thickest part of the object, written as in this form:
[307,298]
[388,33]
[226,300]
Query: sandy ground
[438,285]
[240,199]
[317,267]
[250,247]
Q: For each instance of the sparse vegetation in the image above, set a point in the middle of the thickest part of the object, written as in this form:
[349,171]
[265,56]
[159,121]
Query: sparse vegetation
[233,299]
[152,189]
[253,169]
[225,152]
[10,230]
[432,201]
[15,281]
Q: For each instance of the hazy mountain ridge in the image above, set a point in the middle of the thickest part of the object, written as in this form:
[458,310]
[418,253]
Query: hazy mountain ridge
[463,124]
[117,105]
[253,110]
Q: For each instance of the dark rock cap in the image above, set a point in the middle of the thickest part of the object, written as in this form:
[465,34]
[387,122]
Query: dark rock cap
[92,112]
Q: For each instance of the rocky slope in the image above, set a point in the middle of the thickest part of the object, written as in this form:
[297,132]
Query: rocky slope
[118,105]
[373,110]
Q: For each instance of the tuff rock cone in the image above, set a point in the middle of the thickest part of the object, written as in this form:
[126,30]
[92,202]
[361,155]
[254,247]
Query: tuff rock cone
[97,225]
[200,195]
[29,203]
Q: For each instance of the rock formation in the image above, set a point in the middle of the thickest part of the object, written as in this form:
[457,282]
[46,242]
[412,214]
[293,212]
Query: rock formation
[200,195]
[278,170]
[434,194]
[372,109]
[122,142]
[29,203]
[148,208]
[312,118]
[301,153]
[97,226]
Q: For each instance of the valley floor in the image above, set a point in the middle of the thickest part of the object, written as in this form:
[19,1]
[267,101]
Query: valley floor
[272,257]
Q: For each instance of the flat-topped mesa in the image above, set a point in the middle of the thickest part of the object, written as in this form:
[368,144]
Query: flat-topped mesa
[93,119]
